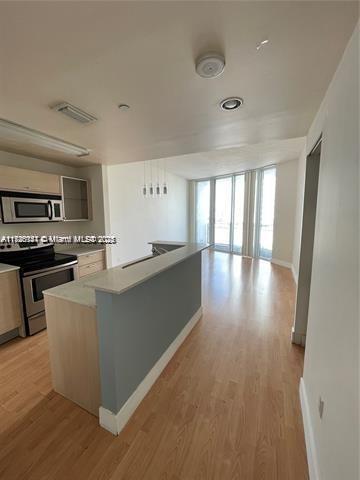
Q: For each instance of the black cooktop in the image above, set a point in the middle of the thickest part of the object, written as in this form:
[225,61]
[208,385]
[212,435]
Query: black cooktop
[37,259]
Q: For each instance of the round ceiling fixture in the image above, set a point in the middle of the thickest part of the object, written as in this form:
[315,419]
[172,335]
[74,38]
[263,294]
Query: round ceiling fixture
[210,65]
[231,103]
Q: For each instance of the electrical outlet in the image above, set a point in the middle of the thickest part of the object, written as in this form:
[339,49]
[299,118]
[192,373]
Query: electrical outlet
[321,407]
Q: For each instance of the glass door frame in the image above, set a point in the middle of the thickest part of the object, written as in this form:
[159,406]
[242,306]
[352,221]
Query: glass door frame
[212,181]
[210,238]
[257,211]
[231,231]
[252,210]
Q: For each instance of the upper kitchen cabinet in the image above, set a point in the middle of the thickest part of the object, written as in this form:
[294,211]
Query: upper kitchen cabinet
[76,195]
[20,179]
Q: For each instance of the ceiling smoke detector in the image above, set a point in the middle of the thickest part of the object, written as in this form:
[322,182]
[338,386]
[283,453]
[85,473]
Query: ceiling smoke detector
[210,65]
[75,113]
[231,103]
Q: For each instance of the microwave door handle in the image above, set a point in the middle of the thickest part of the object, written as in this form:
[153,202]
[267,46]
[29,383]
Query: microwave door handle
[50,210]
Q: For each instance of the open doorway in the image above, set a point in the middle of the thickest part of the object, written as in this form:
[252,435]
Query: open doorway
[307,244]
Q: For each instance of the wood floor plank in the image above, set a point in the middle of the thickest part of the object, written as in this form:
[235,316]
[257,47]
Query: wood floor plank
[225,408]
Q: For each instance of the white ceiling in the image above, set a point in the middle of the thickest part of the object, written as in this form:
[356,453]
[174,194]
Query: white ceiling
[99,54]
[233,160]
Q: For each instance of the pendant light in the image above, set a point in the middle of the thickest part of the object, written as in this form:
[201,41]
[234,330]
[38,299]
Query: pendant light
[144,187]
[151,188]
[165,188]
[158,189]
[154,187]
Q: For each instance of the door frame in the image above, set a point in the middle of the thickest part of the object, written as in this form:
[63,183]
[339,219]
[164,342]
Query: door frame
[308,232]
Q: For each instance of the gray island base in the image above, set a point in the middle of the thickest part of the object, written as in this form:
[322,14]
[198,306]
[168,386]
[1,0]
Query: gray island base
[128,321]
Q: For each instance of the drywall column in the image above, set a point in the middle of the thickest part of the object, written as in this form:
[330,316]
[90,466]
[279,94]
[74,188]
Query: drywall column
[298,335]
[284,213]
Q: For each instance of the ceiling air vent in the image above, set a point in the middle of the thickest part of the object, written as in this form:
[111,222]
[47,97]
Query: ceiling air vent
[75,113]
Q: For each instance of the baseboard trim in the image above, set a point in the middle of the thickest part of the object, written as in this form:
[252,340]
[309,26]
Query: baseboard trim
[295,277]
[289,265]
[114,423]
[281,263]
[6,337]
[309,434]
[298,338]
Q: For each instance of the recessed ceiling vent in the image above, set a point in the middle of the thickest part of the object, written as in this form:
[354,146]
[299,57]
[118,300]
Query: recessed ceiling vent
[75,113]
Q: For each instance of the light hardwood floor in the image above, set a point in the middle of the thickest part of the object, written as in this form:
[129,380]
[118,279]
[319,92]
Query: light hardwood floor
[225,408]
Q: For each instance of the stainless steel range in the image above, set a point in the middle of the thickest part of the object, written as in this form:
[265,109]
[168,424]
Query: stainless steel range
[40,268]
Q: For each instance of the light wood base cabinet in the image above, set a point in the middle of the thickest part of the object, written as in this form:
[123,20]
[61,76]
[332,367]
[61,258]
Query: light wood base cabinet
[74,355]
[91,263]
[10,301]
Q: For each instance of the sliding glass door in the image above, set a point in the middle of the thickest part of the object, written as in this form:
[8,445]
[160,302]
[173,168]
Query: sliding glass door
[239,210]
[223,213]
[266,202]
[236,212]
[202,225]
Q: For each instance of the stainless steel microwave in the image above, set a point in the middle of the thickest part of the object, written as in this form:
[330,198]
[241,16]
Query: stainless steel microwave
[30,207]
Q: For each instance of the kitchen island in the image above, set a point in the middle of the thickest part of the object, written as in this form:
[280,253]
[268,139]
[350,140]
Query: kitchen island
[112,333]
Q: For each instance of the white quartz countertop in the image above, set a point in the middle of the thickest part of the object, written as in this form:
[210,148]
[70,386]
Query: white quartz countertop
[118,279]
[75,292]
[82,249]
[7,268]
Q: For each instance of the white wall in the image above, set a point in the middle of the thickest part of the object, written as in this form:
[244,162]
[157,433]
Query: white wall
[137,220]
[285,211]
[331,357]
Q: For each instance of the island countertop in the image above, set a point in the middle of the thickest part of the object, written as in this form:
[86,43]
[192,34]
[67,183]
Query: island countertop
[117,280]
[123,277]
[75,292]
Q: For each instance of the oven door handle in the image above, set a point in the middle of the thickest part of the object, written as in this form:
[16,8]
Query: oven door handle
[50,210]
[64,266]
